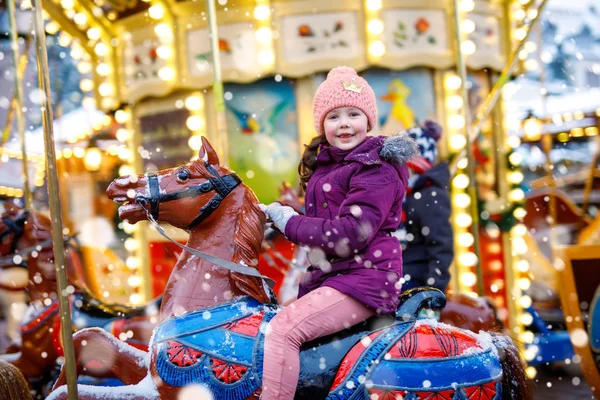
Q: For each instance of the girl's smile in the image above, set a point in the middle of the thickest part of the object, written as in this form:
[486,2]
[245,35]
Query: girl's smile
[345,127]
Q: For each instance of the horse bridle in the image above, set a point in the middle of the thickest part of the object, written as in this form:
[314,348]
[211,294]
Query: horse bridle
[223,185]
[16,227]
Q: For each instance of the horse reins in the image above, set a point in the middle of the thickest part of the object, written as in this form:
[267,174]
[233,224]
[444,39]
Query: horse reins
[223,185]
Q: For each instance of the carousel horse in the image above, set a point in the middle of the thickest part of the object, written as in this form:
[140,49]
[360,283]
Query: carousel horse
[216,307]
[26,237]
[461,310]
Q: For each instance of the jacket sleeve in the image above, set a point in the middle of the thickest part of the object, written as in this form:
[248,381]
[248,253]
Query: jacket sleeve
[373,191]
[436,229]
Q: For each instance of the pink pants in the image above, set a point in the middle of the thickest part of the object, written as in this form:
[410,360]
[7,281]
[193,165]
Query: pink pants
[319,313]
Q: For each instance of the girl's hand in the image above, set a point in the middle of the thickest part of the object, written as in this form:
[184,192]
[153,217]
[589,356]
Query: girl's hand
[279,214]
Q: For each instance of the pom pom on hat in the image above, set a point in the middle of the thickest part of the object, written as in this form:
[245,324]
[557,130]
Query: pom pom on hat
[432,129]
[344,88]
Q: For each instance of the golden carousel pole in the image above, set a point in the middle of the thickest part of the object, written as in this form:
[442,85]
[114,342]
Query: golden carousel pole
[14,44]
[55,207]
[217,92]
[472,190]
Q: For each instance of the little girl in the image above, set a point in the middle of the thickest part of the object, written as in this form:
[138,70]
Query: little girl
[354,189]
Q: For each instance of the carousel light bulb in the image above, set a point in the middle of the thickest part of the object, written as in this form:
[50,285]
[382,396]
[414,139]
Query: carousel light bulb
[519,213]
[522,265]
[194,103]
[67,4]
[124,154]
[125,170]
[519,230]
[519,245]
[163,31]
[86,85]
[101,49]
[515,159]
[458,142]
[105,89]
[262,12]
[266,58]
[532,13]
[377,48]
[76,52]
[527,337]
[84,67]
[462,200]
[164,52]
[467,26]
[516,195]
[524,2]
[123,135]
[67,153]
[519,33]
[513,142]
[156,11]
[462,163]
[465,239]
[467,5]
[460,181]
[530,46]
[452,82]
[134,280]
[195,142]
[136,298]
[64,39]
[525,301]
[373,5]
[79,152]
[131,244]
[264,35]
[166,73]
[519,14]
[531,372]
[92,159]
[454,102]
[467,259]
[468,47]
[375,26]
[468,279]
[80,18]
[523,283]
[52,27]
[515,177]
[133,261]
[194,123]
[121,116]
[456,122]
[526,319]
[464,220]
[103,69]
[93,33]
[531,64]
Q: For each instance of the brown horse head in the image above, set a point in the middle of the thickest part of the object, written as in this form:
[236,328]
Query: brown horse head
[203,198]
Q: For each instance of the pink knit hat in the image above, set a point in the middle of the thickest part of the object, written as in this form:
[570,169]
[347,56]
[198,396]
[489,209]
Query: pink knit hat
[344,88]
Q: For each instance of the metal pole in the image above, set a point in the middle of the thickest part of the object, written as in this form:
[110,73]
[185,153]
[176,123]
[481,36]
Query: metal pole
[472,189]
[14,44]
[486,107]
[218,98]
[55,207]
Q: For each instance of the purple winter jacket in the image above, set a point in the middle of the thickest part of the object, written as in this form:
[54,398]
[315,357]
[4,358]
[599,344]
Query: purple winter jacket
[353,202]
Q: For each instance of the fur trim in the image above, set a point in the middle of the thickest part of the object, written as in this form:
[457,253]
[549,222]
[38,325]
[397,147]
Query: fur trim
[399,148]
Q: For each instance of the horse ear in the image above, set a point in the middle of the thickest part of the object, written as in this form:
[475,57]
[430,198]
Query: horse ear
[207,153]
[11,207]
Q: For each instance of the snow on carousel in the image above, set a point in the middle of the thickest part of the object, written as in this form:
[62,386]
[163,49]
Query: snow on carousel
[187,116]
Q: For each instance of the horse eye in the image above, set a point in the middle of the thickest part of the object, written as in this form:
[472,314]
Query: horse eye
[183,175]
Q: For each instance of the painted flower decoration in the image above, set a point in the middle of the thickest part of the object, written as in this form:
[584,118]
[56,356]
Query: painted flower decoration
[422,25]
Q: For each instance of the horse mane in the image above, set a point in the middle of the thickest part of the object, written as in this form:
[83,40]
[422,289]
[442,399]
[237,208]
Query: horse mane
[247,244]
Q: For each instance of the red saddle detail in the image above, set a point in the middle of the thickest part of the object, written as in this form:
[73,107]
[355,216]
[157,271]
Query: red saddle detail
[483,392]
[227,373]
[383,394]
[425,341]
[443,395]
[181,355]
[351,358]
[247,326]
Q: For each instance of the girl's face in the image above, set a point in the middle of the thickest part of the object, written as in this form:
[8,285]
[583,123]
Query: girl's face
[345,127]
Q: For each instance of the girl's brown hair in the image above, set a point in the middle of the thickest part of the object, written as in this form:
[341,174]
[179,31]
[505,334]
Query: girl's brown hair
[12,383]
[308,163]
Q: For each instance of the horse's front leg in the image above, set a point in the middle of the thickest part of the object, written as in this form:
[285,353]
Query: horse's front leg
[100,354]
